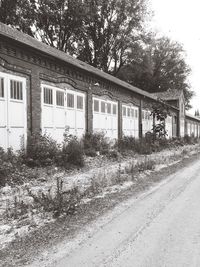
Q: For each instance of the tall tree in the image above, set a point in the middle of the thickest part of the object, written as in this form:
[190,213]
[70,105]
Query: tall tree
[110,27]
[58,23]
[160,65]
[98,32]
[18,14]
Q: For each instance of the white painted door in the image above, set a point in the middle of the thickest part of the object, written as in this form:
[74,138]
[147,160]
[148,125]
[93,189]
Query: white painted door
[130,120]
[105,117]
[13,113]
[168,126]
[147,121]
[62,108]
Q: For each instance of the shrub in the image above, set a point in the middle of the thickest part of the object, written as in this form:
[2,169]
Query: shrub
[72,153]
[95,142]
[41,150]
[143,146]
[10,164]
[90,152]
[126,143]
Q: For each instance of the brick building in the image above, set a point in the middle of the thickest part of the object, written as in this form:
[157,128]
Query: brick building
[44,89]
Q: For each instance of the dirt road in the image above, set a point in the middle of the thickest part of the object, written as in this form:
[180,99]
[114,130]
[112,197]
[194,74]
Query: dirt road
[159,228]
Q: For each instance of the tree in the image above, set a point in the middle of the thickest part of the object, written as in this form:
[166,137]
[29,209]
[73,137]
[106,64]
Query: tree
[58,23]
[110,27]
[160,111]
[160,65]
[98,32]
[17,13]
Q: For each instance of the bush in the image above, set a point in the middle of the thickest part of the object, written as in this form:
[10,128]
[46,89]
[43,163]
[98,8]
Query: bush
[90,152]
[126,143]
[72,153]
[10,164]
[144,147]
[95,142]
[41,150]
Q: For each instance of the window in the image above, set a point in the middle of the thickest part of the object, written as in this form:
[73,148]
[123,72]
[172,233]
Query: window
[175,120]
[1,87]
[48,96]
[16,90]
[108,108]
[79,102]
[124,111]
[70,100]
[59,98]
[132,113]
[136,113]
[114,109]
[128,112]
[96,105]
[103,107]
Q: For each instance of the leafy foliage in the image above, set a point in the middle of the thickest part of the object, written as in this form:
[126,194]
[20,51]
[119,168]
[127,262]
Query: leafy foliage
[41,150]
[95,142]
[160,111]
[157,65]
[110,26]
[18,14]
[61,202]
[97,32]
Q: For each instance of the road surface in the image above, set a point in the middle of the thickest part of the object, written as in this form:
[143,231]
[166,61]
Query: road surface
[160,228]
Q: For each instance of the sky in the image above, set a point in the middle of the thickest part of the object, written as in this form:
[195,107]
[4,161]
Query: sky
[180,20]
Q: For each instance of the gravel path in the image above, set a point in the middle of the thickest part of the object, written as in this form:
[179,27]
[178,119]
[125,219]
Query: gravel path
[160,228]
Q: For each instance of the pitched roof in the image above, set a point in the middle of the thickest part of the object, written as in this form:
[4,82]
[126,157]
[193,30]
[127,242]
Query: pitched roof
[192,117]
[169,94]
[7,31]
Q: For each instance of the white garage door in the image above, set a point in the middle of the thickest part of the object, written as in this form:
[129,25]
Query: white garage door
[62,108]
[130,120]
[147,121]
[13,124]
[182,127]
[168,126]
[105,117]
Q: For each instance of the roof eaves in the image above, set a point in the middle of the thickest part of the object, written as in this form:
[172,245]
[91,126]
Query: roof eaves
[50,51]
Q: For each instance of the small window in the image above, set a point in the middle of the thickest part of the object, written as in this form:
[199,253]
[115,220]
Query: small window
[114,109]
[96,105]
[59,98]
[70,100]
[1,87]
[16,90]
[79,102]
[132,113]
[136,113]
[103,107]
[48,96]
[108,108]
[128,112]
[124,111]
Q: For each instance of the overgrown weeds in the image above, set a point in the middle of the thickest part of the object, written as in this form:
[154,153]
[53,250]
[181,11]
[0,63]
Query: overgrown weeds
[60,202]
[95,142]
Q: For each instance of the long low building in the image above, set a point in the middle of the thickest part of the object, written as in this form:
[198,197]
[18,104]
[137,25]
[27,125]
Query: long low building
[45,90]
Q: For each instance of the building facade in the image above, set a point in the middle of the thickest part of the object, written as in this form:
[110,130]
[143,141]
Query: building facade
[45,90]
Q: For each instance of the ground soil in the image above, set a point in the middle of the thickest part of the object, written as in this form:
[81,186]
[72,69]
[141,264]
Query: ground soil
[24,250]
